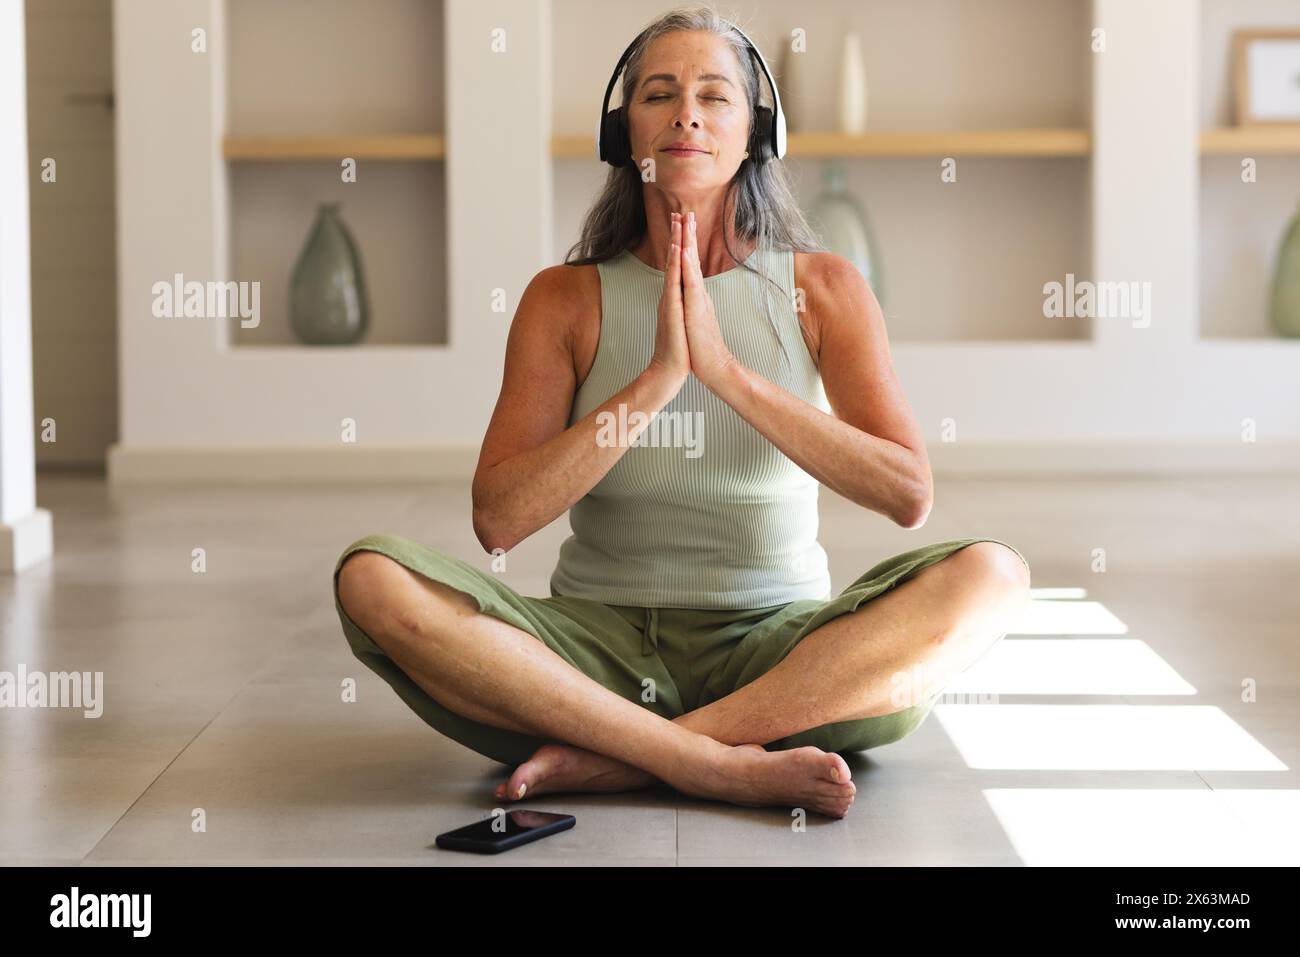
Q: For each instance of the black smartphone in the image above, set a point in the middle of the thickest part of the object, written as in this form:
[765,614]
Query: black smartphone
[500,832]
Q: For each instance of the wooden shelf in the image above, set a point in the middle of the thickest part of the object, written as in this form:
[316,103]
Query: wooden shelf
[404,146]
[370,348]
[1025,142]
[1283,138]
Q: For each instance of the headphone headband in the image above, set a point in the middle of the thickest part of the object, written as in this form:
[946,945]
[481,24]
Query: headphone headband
[613,122]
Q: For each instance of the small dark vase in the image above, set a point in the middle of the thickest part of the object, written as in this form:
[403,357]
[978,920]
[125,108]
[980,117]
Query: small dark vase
[327,299]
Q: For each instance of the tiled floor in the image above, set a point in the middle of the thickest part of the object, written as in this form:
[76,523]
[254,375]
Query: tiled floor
[222,691]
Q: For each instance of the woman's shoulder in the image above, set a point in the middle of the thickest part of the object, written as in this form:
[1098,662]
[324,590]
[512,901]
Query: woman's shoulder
[814,283]
[567,289]
[581,286]
[822,268]
[826,277]
[831,289]
[571,294]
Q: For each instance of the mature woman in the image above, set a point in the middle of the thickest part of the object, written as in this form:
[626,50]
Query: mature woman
[690,636]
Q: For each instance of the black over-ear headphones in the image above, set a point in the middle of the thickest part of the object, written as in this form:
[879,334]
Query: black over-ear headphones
[767,135]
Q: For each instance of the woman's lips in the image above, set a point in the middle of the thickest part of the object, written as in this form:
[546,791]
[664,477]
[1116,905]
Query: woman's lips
[684,152]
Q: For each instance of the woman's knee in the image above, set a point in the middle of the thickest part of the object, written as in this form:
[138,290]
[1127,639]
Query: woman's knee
[380,593]
[366,584]
[996,564]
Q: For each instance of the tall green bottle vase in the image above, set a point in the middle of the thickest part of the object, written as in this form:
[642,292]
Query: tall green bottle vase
[841,222]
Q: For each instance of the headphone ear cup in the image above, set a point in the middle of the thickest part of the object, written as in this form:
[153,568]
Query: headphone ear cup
[624,140]
[760,141]
[616,149]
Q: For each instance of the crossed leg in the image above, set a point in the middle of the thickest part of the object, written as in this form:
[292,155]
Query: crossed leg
[895,651]
[942,619]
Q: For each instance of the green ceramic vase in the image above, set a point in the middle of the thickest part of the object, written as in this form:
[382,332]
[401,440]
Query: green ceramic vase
[327,299]
[841,222]
[1285,308]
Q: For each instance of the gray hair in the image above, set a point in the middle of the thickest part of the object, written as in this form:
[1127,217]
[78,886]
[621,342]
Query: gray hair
[759,197]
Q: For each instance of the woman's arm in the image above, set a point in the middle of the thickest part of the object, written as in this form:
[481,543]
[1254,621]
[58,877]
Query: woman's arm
[532,468]
[871,451]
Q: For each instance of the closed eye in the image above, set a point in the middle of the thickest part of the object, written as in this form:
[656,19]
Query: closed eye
[661,96]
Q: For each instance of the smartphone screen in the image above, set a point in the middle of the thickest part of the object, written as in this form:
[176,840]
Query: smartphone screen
[503,831]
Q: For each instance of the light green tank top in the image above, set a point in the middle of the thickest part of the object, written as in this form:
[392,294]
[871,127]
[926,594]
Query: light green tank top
[702,511]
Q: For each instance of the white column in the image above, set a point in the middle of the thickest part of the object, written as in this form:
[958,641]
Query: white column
[498,112]
[25,530]
[1145,170]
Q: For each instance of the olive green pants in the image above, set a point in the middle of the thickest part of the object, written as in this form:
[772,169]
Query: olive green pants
[669,660]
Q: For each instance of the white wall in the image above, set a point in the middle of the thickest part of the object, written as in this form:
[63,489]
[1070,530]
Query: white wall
[1156,399]
[182,391]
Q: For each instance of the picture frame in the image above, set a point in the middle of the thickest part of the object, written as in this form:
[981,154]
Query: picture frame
[1266,77]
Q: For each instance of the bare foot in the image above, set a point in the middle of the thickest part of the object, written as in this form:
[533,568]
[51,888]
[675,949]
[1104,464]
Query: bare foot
[748,775]
[752,776]
[563,768]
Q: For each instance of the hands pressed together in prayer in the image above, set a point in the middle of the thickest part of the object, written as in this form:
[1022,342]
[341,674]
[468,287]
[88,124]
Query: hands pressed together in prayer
[687,338]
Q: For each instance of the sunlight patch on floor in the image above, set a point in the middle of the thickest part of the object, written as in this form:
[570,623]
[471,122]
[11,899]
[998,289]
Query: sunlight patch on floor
[1126,827]
[1100,666]
[1057,593]
[1067,618]
[1102,737]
